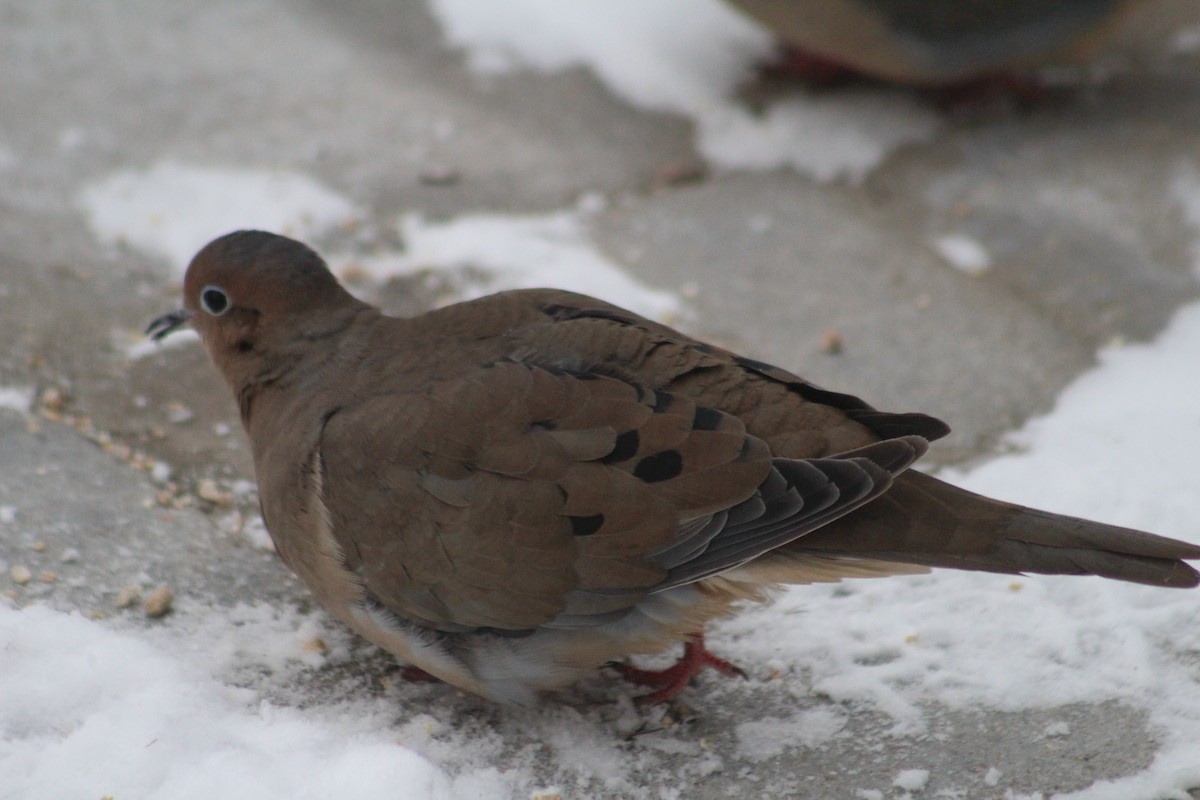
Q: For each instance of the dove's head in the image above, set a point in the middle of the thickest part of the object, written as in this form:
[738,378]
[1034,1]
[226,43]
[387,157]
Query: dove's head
[253,296]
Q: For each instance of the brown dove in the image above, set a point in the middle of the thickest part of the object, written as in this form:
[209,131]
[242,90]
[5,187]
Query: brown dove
[937,42]
[513,491]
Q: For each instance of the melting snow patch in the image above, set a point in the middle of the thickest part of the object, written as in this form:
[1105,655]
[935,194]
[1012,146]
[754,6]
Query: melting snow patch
[831,137]
[171,210]
[910,780]
[963,252]
[1059,728]
[687,57]
[131,721]
[770,736]
[519,252]
[255,533]
[671,54]
[16,398]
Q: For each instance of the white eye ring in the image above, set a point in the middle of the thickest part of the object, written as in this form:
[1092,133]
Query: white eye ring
[214,300]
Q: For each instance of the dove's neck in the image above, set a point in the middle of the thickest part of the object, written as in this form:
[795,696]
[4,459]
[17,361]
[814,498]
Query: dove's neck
[305,370]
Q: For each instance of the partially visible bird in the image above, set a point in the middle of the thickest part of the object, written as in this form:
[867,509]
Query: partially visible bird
[938,42]
[510,492]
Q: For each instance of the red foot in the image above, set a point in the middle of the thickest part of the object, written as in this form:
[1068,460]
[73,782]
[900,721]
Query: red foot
[673,680]
[976,92]
[822,72]
[817,71]
[417,675]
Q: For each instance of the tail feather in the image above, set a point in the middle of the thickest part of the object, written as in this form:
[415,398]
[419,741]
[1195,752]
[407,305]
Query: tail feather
[928,522]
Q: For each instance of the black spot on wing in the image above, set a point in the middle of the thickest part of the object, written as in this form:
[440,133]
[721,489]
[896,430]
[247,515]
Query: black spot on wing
[564,313]
[662,401]
[891,426]
[586,526]
[625,446]
[659,467]
[706,419]
[815,394]
[809,392]
[885,424]
[754,364]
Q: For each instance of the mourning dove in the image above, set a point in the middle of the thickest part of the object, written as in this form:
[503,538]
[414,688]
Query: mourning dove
[513,491]
[939,42]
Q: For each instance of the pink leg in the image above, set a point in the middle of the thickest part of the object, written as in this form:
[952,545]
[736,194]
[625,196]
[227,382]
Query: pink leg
[674,679]
[417,675]
[817,71]
[975,92]
[820,72]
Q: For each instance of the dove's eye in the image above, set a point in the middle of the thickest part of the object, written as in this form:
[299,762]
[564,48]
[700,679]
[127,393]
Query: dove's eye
[214,300]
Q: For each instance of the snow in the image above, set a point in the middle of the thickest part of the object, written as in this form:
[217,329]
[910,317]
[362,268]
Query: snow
[911,779]
[172,209]
[131,720]
[515,252]
[963,252]
[1059,728]
[688,57]
[769,737]
[16,398]
[256,535]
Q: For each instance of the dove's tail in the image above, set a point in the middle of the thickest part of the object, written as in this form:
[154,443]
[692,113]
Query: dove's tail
[925,521]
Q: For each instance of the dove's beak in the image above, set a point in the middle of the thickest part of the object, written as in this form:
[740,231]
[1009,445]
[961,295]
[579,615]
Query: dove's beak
[167,324]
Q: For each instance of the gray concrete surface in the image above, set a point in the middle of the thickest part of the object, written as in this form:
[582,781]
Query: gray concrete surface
[360,94]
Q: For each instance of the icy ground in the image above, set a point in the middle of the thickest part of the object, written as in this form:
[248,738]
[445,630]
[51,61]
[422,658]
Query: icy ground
[152,714]
[262,697]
